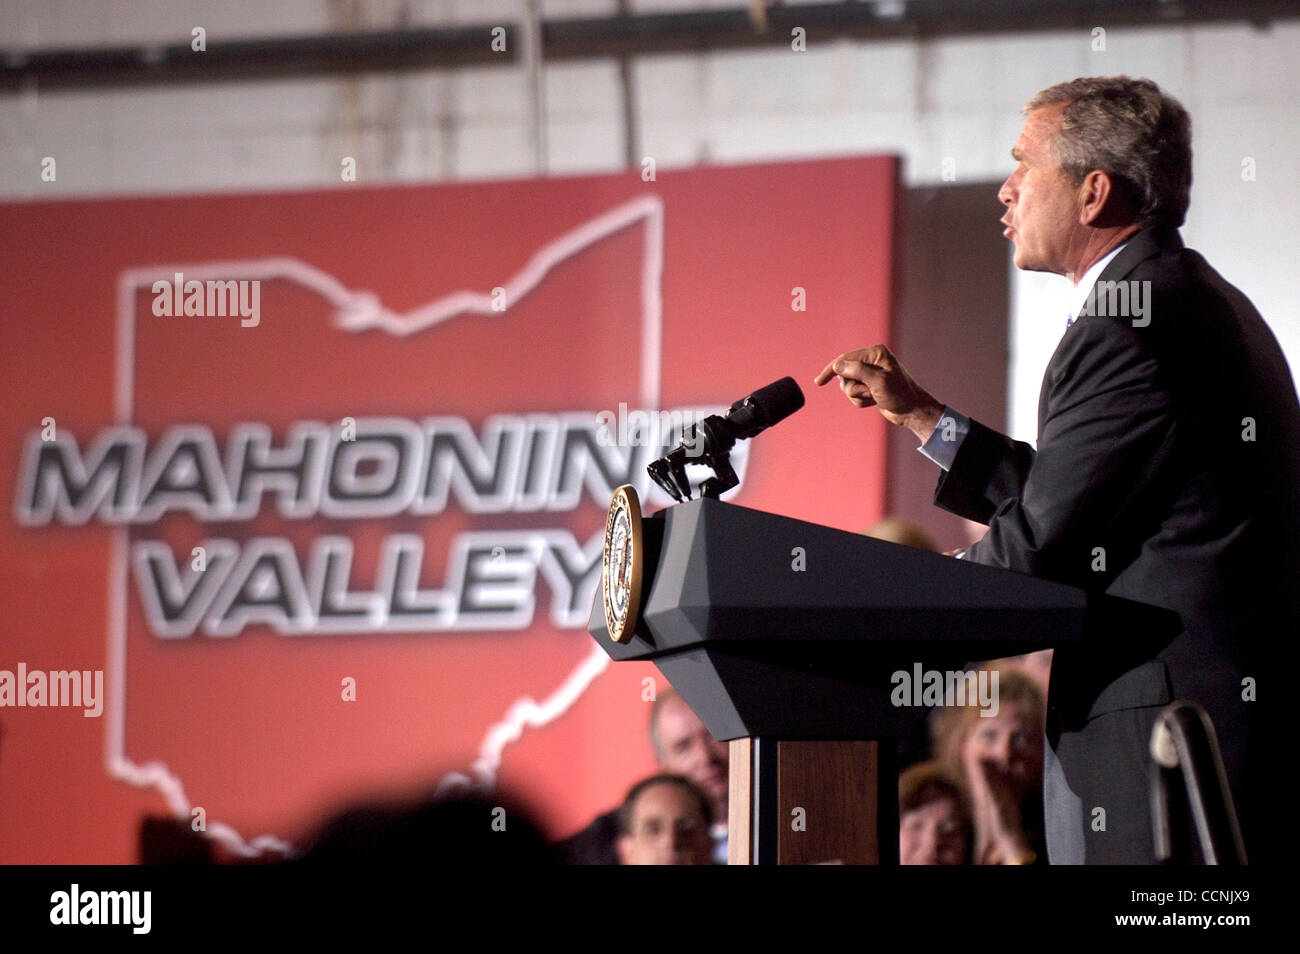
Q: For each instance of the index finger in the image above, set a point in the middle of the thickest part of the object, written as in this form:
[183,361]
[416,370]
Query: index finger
[827,372]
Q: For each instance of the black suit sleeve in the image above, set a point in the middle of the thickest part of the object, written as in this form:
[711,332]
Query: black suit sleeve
[989,468]
[1105,439]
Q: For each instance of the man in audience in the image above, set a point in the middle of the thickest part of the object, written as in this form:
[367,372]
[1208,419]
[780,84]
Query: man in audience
[665,821]
[682,746]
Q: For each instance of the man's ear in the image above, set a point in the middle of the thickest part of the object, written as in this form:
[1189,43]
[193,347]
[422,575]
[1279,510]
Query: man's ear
[1102,204]
[623,847]
[1096,192]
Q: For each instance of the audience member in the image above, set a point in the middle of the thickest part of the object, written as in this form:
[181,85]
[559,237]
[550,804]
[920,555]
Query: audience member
[1037,666]
[682,746]
[934,823]
[665,821]
[443,832]
[898,530]
[999,761]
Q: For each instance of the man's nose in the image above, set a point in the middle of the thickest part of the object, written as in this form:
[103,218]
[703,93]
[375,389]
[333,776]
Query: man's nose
[1005,192]
[1002,751]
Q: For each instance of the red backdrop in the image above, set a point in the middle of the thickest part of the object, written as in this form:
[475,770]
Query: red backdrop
[379,304]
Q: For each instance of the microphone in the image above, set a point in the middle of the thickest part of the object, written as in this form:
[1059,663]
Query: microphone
[710,441]
[765,407]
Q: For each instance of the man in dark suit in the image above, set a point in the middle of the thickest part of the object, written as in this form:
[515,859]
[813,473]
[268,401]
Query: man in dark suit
[1166,468]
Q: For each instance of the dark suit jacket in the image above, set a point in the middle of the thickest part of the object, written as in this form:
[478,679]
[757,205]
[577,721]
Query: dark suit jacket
[594,845]
[1167,471]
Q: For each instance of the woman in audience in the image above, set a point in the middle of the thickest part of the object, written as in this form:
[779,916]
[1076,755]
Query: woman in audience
[999,761]
[934,826]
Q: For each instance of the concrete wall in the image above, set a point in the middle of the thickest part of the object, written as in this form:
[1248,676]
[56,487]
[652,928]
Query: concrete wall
[930,101]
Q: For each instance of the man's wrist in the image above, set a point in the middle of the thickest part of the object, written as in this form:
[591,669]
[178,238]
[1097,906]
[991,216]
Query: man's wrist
[923,421]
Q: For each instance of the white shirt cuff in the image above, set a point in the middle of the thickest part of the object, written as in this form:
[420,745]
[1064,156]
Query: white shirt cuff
[951,430]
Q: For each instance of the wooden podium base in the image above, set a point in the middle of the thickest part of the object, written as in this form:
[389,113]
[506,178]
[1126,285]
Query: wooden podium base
[801,803]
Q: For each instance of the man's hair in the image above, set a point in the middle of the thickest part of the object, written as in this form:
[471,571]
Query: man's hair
[628,807]
[1130,130]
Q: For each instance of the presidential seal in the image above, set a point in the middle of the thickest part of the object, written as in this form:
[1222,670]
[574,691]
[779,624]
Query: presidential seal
[623,565]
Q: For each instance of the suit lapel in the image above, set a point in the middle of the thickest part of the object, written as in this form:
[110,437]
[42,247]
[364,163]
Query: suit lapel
[1143,245]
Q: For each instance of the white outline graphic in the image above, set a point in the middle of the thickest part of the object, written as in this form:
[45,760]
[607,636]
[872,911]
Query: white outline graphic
[359,311]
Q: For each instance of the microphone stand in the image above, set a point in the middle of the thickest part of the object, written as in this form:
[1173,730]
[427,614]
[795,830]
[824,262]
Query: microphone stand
[669,472]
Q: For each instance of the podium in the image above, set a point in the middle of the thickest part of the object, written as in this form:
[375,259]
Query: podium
[785,637]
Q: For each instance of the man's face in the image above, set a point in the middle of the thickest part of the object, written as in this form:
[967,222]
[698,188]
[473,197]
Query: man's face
[932,835]
[667,829]
[687,748]
[1042,215]
[1011,742]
